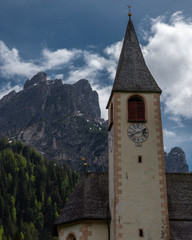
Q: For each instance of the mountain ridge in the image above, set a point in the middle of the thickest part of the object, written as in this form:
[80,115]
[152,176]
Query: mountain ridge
[63,122]
[175,161]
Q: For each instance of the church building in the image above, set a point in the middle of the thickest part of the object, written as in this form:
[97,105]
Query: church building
[136,199]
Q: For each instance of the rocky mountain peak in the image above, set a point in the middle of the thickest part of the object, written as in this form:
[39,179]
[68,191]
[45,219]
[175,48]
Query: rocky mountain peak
[60,120]
[63,122]
[39,77]
[175,161]
[47,99]
[177,150]
[83,84]
[7,97]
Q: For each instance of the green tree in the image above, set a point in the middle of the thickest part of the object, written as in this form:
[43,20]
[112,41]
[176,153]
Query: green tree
[33,191]
[1,232]
[30,232]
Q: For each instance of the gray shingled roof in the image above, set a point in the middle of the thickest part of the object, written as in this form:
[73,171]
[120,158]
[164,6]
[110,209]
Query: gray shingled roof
[132,73]
[89,200]
[179,189]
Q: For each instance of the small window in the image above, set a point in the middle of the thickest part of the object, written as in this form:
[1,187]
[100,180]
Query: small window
[140,159]
[141,234]
[136,109]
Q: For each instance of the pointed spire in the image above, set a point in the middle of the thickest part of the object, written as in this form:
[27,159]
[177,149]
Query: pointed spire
[132,73]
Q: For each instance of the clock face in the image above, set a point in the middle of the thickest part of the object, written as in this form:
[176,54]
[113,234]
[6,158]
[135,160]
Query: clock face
[138,132]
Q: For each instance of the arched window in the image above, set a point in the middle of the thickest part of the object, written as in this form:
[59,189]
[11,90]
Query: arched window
[71,237]
[136,109]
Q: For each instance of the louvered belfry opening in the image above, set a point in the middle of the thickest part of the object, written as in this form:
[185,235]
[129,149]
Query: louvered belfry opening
[136,109]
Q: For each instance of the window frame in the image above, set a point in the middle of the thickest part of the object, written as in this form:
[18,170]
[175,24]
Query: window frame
[136,110]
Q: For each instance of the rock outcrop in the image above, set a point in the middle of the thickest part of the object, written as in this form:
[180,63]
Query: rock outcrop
[60,120]
[63,121]
[175,161]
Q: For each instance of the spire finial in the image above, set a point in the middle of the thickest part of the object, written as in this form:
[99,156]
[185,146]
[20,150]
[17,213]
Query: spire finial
[85,165]
[129,13]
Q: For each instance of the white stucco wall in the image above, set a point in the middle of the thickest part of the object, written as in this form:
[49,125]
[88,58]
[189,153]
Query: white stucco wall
[89,230]
[138,189]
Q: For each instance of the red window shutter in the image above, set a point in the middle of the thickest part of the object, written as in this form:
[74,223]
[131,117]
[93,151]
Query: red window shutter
[140,111]
[136,110]
[132,111]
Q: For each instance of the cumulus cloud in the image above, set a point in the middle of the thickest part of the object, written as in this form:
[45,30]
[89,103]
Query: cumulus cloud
[59,76]
[94,67]
[168,54]
[11,64]
[114,50]
[169,57]
[54,59]
[97,68]
[168,133]
[176,119]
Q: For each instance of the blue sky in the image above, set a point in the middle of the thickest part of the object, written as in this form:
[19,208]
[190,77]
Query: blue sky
[71,40]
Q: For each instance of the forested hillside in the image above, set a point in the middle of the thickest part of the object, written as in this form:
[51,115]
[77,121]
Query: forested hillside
[32,192]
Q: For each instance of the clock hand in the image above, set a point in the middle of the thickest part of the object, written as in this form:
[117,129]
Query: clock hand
[135,133]
[138,132]
[144,130]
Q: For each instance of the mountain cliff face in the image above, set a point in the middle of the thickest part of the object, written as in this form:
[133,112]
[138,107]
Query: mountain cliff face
[63,122]
[60,120]
[175,161]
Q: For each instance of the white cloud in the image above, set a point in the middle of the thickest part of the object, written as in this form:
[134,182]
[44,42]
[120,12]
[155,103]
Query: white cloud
[114,50]
[169,57]
[7,89]
[94,66]
[58,76]
[176,119]
[89,70]
[168,133]
[168,54]
[11,64]
[54,59]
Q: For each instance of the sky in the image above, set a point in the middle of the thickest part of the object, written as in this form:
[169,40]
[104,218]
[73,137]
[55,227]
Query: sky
[71,40]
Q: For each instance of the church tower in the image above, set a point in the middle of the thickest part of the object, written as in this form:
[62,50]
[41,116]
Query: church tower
[137,181]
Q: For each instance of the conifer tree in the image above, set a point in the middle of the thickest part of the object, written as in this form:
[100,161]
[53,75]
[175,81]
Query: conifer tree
[33,191]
